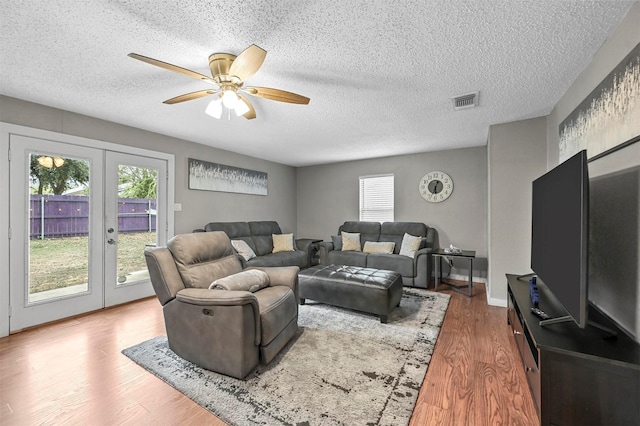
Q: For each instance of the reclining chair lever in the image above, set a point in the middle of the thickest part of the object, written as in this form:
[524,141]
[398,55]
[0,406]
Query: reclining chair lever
[207,312]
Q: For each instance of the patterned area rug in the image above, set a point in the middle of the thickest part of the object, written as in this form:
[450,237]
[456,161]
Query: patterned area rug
[342,368]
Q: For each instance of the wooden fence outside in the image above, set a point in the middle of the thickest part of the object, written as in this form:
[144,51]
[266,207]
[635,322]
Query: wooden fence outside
[66,216]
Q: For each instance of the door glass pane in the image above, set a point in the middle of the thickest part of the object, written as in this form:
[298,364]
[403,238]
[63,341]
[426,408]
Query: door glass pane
[58,227]
[137,201]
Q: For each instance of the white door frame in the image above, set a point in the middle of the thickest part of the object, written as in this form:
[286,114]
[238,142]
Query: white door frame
[25,312]
[115,294]
[6,130]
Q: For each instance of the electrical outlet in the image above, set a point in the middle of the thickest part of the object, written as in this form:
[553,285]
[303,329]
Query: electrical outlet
[177,207]
[449,261]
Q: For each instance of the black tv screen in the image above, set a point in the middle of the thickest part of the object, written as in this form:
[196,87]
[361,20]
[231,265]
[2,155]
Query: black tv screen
[560,234]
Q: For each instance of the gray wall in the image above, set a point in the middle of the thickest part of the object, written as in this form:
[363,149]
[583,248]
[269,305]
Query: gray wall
[328,196]
[198,207]
[614,252]
[517,155]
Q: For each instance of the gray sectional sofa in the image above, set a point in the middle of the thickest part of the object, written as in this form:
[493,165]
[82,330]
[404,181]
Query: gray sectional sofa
[416,271]
[258,236]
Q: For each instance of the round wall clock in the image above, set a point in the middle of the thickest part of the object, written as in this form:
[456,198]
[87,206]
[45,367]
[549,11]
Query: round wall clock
[435,186]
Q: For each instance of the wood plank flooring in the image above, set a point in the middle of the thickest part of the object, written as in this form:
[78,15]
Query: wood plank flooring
[72,372]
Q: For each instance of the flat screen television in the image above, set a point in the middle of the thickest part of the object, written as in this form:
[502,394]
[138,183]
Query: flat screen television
[560,236]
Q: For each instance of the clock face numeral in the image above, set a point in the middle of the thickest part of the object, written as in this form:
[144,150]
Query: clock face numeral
[435,186]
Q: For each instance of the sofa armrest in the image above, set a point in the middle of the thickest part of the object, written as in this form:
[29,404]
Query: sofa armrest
[423,268]
[282,275]
[422,251]
[304,243]
[165,278]
[324,248]
[431,238]
[209,297]
[309,246]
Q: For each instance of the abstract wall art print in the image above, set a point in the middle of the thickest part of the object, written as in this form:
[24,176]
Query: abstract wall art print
[609,117]
[208,176]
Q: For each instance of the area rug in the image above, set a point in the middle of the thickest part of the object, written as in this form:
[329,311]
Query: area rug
[342,368]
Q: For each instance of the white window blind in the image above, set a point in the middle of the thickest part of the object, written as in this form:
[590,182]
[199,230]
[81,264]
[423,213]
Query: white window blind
[376,198]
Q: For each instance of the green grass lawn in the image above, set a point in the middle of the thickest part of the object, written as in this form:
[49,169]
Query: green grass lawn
[61,262]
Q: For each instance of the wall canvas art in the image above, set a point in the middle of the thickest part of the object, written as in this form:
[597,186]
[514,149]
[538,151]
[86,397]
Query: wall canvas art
[608,117]
[208,176]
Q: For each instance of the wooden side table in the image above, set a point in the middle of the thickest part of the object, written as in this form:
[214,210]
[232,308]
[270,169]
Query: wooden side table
[467,254]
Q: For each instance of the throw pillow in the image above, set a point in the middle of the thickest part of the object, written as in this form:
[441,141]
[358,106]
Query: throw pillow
[282,242]
[249,280]
[243,249]
[378,247]
[410,245]
[337,242]
[351,241]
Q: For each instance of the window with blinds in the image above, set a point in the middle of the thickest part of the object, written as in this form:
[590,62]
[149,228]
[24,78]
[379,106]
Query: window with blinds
[376,198]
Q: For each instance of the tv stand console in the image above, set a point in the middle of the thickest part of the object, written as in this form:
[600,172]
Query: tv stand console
[576,376]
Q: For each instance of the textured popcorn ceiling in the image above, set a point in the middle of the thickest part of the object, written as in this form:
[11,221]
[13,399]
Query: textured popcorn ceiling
[380,74]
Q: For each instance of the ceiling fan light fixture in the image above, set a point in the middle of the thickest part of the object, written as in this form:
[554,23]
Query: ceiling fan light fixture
[241,108]
[228,73]
[45,161]
[229,99]
[49,162]
[214,109]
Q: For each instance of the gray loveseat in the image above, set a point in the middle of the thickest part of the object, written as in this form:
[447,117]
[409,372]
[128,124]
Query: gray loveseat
[258,236]
[416,271]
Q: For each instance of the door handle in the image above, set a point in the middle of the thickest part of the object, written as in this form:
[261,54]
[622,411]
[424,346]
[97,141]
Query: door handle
[111,241]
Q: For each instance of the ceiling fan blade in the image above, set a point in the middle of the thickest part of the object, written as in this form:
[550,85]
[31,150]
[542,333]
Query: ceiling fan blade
[251,114]
[190,96]
[248,62]
[277,95]
[171,67]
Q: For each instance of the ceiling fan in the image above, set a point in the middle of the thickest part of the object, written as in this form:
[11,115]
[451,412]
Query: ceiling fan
[229,73]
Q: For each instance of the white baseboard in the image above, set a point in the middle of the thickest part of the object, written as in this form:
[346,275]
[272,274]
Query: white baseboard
[490,300]
[497,302]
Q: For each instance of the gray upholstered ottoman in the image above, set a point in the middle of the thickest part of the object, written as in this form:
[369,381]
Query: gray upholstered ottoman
[374,291]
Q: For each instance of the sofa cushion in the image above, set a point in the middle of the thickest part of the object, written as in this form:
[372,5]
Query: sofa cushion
[351,258]
[394,231]
[337,242]
[282,242]
[250,280]
[285,258]
[410,245]
[243,249]
[203,257]
[369,231]
[234,230]
[278,306]
[266,260]
[299,258]
[351,241]
[402,264]
[378,247]
[261,232]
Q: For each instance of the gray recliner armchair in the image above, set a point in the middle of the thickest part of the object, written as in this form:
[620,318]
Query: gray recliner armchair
[227,331]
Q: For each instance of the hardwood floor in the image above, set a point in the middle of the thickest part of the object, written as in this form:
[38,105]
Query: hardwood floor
[475,376]
[72,372]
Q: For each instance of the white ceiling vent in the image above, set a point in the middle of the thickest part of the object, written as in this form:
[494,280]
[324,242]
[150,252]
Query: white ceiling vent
[470,100]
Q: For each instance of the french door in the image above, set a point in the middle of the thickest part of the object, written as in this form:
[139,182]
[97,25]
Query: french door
[131,223]
[80,220]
